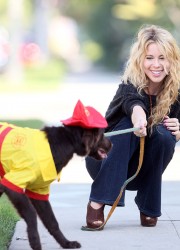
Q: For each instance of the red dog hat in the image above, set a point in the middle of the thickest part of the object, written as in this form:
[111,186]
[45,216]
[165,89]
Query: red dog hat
[86,117]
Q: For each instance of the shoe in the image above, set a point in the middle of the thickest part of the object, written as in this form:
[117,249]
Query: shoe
[147,221]
[94,217]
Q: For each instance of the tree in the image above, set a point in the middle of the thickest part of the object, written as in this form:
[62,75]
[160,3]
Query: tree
[113,23]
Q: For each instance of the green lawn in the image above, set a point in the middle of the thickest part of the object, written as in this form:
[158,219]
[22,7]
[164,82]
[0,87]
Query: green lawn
[8,219]
[31,123]
[44,76]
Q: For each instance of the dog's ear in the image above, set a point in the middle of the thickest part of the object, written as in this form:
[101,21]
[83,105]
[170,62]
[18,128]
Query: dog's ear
[90,137]
[87,141]
[83,142]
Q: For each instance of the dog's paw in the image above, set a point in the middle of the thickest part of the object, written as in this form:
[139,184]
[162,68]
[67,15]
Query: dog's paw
[72,244]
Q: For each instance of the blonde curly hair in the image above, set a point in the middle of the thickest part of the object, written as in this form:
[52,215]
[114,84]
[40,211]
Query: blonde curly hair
[135,74]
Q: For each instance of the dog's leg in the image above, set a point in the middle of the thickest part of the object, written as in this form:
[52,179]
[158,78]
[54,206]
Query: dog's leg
[48,218]
[28,213]
[1,190]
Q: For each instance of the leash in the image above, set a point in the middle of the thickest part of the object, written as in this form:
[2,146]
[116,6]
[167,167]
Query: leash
[141,154]
[120,132]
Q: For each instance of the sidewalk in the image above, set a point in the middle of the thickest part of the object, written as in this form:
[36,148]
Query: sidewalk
[69,198]
[123,230]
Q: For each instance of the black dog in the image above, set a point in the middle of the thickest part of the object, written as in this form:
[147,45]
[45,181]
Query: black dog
[63,142]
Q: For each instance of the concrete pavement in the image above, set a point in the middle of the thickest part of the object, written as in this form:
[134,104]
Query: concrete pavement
[123,230]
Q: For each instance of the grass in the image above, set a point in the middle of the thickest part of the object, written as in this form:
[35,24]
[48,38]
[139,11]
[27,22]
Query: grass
[37,77]
[31,123]
[44,76]
[8,220]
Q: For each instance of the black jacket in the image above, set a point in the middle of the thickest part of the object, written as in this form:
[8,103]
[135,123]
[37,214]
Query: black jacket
[126,98]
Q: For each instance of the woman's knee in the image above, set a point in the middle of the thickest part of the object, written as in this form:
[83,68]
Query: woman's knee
[163,137]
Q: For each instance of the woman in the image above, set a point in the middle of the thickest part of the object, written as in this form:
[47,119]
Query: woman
[148,98]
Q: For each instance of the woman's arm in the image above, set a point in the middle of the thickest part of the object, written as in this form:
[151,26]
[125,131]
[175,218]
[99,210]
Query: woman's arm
[139,120]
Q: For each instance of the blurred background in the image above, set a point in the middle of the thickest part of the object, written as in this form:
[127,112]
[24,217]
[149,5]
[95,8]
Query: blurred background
[54,52]
[42,40]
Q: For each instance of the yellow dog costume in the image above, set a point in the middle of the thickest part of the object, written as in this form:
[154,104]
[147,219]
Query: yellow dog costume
[26,161]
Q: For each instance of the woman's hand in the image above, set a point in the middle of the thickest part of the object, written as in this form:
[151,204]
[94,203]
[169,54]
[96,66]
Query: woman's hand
[138,118]
[172,124]
[141,124]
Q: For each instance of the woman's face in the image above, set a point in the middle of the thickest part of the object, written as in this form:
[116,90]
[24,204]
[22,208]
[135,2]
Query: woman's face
[155,66]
